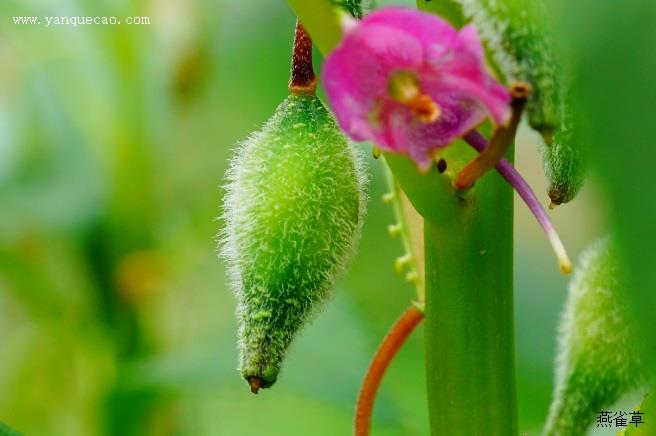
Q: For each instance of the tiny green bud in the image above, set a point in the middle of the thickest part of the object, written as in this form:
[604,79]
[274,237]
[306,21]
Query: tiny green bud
[293,210]
[597,356]
[564,163]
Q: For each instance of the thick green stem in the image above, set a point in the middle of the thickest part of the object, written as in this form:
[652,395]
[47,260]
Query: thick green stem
[469,279]
[469,314]
[469,289]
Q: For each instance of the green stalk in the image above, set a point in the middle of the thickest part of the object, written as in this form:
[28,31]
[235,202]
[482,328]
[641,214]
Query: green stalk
[469,280]
[469,298]
[469,325]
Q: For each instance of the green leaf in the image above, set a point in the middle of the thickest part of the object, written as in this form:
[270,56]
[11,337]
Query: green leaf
[447,9]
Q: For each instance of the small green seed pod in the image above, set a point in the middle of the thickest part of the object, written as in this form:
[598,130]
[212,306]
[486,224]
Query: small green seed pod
[648,427]
[517,38]
[564,163]
[356,8]
[293,213]
[519,44]
[7,431]
[597,356]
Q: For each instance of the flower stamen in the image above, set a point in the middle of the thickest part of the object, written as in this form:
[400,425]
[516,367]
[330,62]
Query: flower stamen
[424,108]
[403,87]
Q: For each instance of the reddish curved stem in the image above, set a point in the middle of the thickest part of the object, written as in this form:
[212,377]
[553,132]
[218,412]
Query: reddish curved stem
[395,338]
[497,146]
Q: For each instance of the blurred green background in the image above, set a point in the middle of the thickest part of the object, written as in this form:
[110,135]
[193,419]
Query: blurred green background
[115,317]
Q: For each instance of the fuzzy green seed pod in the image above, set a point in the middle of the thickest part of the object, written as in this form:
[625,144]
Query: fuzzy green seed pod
[564,163]
[517,38]
[648,407]
[597,355]
[7,431]
[516,35]
[356,8]
[293,211]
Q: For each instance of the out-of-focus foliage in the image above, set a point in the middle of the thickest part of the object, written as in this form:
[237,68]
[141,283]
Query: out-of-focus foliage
[115,316]
[615,97]
[598,360]
[648,406]
[7,431]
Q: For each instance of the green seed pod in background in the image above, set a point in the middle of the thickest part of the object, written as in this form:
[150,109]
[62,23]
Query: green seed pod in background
[598,358]
[648,428]
[564,163]
[293,210]
[7,431]
[357,8]
[517,38]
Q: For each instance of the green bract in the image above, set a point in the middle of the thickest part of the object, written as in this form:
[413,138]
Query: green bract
[597,355]
[293,210]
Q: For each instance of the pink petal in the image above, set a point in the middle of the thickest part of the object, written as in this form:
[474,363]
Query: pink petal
[356,74]
[426,28]
[450,68]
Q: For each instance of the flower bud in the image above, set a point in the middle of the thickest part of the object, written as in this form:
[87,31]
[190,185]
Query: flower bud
[564,164]
[597,355]
[293,211]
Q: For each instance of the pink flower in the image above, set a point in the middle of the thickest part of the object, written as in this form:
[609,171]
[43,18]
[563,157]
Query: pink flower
[411,83]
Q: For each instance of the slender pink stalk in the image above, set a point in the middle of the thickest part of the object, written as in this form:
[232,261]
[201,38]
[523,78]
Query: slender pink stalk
[508,172]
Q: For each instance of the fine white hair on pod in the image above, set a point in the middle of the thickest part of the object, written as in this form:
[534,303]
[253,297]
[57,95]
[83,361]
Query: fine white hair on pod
[598,359]
[293,211]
